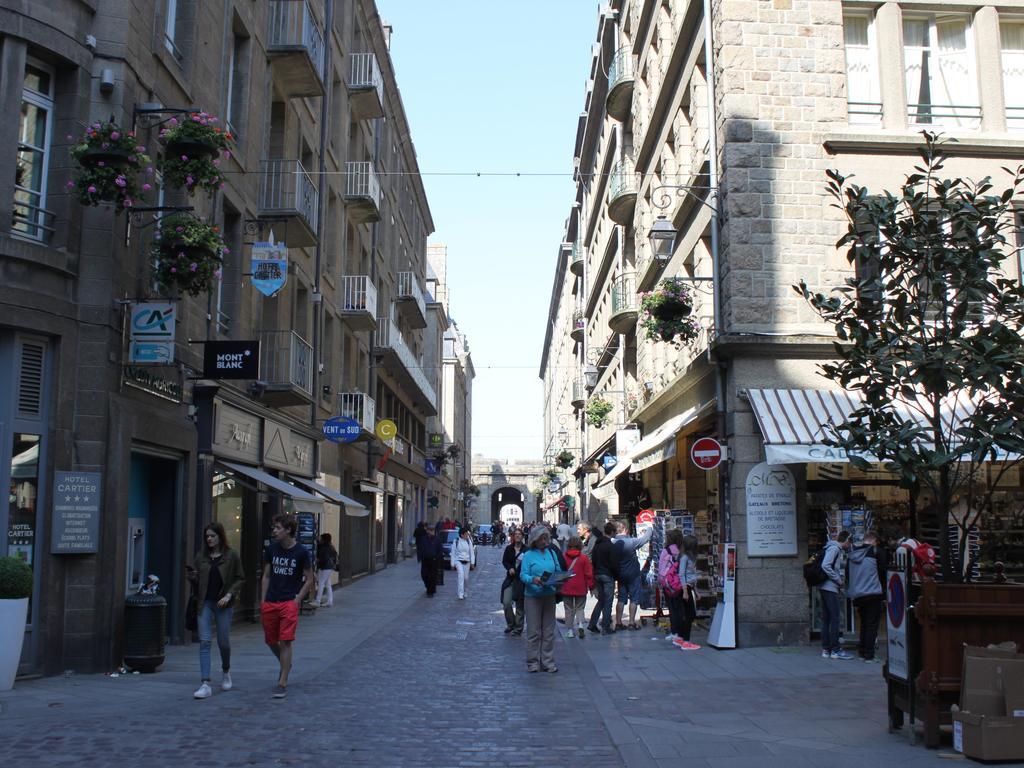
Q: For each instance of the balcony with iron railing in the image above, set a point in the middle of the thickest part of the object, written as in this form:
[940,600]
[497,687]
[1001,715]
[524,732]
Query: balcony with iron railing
[361,408]
[295,47]
[945,115]
[579,393]
[288,196]
[622,189]
[286,369]
[576,258]
[365,87]
[358,302]
[624,304]
[399,361]
[362,192]
[410,301]
[621,77]
[579,326]
[28,220]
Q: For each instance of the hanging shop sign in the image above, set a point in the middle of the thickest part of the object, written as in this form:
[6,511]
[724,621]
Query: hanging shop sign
[896,624]
[436,440]
[432,467]
[231,359]
[386,429]
[608,462]
[237,434]
[146,380]
[706,453]
[269,267]
[76,513]
[341,429]
[151,333]
[771,511]
[287,450]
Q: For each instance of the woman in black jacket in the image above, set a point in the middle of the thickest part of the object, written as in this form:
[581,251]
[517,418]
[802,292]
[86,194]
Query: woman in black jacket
[512,596]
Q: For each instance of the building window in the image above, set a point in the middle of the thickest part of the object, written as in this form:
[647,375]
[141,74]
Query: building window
[1011,34]
[30,217]
[942,86]
[863,100]
[171,29]
[237,82]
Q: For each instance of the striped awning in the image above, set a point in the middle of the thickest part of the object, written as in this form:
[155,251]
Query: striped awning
[795,422]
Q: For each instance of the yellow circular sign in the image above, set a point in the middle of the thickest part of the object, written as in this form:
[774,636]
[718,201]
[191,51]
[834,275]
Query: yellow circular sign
[386,429]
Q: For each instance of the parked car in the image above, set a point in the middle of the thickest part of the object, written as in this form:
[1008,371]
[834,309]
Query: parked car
[483,535]
[446,545]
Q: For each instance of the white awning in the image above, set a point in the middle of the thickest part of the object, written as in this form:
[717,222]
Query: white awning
[653,449]
[303,500]
[352,507]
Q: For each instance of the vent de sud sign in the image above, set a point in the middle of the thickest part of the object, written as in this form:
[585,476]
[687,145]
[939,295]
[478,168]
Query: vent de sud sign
[771,511]
[151,333]
[269,267]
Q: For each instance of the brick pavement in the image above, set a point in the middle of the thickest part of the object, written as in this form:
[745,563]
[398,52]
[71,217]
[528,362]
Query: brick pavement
[390,678]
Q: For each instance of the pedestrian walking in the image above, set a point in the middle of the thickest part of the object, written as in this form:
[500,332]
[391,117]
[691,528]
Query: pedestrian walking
[463,558]
[630,578]
[588,538]
[605,560]
[833,566]
[687,570]
[429,552]
[867,563]
[326,565]
[576,588]
[538,565]
[287,579]
[217,579]
[564,533]
[512,589]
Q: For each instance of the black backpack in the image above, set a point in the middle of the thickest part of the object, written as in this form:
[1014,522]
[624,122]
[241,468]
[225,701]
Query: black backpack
[814,574]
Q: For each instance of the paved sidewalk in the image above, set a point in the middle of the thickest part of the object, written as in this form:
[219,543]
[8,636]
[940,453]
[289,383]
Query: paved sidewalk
[389,678]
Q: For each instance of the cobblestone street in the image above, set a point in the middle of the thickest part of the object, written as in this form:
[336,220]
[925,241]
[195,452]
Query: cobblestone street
[389,678]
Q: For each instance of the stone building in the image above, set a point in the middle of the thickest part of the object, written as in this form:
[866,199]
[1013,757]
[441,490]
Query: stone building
[321,164]
[508,490]
[715,135]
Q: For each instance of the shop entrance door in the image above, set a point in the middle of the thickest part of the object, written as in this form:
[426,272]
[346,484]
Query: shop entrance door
[391,529]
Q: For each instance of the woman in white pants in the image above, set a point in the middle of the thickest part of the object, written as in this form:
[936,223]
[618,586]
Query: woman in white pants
[327,564]
[463,558]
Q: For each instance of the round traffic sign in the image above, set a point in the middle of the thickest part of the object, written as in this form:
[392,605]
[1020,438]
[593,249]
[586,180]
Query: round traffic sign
[386,429]
[706,453]
[341,429]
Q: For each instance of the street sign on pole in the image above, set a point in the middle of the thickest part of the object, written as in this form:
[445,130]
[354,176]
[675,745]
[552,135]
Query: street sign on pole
[706,453]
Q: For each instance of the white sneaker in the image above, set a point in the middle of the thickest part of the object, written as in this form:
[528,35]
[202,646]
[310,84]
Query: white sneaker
[204,691]
[826,655]
[671,637]
[225,684]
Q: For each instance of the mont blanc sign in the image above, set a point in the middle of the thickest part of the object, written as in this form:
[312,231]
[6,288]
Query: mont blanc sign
[231,360]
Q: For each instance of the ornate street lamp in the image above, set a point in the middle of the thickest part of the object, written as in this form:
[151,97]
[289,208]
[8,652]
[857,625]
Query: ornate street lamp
[663,239]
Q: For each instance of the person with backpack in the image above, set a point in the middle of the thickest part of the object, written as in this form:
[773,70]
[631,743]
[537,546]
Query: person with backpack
[687,572]
[605,559]
[629,578]
[670,582]
[867,562]
[574,591]
[326,564]
[832,566]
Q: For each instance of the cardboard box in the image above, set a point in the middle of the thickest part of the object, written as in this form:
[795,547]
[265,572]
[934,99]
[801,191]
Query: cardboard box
[988,738]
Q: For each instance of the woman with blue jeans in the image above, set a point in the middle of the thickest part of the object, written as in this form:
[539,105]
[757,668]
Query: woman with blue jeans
[217,579]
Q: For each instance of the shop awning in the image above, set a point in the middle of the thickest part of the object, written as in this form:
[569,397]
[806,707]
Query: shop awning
[352,507]
[303,500]
[655,448]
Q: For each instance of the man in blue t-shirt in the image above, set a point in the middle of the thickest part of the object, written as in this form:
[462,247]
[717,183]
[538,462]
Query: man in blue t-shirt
[287,578]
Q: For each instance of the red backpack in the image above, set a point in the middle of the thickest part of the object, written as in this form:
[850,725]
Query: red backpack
[668,574]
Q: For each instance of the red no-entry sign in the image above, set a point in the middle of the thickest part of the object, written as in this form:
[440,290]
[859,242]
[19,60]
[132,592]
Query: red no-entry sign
[706,453]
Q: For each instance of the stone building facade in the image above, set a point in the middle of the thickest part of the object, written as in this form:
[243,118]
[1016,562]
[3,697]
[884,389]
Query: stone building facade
[791,88]
[321,161]
[508,490]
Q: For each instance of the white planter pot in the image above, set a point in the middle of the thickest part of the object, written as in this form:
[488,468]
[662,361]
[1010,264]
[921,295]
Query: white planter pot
[13,614]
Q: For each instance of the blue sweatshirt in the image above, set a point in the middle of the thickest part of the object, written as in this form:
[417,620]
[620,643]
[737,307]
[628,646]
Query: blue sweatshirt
[535,563]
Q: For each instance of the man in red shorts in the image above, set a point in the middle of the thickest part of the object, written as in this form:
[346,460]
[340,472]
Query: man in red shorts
[287,577]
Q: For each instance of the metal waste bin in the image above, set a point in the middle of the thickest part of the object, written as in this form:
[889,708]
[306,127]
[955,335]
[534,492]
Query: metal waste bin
[145,627]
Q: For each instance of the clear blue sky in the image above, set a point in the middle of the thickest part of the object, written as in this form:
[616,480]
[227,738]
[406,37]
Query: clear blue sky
[495,87]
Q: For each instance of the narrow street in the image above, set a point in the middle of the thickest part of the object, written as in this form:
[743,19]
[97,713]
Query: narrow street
[389,678]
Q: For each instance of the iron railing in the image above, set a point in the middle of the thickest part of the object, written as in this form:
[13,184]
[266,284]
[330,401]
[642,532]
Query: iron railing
[365,74]
[293,25]
[30,221]
[409,288]
[623,180]
[286,358]
[360,407]
[944,114]
[389,337]
[358,293]
[621,68]
[624,294]
[361,181]
[287,187]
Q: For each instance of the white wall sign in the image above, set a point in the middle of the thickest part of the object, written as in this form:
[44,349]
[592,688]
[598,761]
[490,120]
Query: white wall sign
[151,333]
[771,511]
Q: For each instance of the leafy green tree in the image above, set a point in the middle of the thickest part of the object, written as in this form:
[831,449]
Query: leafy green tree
[930,337]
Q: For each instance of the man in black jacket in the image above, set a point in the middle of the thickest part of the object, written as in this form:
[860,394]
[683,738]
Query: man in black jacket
[513,599]
[605,558]
[430,553]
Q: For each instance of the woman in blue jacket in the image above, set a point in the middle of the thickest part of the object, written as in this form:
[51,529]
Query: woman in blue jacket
[540,601]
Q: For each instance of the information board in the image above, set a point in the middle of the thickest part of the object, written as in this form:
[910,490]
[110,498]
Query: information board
[76,513]
[771,511]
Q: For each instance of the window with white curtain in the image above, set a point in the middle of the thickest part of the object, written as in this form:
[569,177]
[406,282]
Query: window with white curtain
[30,217]
[1011,34]
[863,99]
[942,83]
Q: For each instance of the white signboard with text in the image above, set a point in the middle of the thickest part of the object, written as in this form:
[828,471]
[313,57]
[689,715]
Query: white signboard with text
[771,511]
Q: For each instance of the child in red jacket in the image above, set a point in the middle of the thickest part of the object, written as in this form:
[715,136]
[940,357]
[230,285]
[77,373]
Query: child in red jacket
[575,589]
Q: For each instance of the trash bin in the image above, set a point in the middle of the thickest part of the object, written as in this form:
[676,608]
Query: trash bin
[145,624]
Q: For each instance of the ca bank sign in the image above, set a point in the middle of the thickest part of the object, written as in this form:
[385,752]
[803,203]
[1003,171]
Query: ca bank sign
[151,333]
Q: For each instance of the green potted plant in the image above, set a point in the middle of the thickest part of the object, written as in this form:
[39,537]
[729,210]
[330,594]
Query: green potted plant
[597,411]
[666,312]
[565,459]
[108,163]
[187,254]
[193,147]
[15,590]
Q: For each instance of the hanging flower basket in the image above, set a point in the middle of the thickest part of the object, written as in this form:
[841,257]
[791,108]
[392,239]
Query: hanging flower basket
[193,147]
[597,411]
[666,312]
[188,255]
[108,161]
[565,459]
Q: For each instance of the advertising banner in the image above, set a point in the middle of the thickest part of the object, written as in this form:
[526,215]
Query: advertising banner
[269,267]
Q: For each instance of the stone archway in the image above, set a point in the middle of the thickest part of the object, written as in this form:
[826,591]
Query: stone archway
[508,477]
[503,503]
